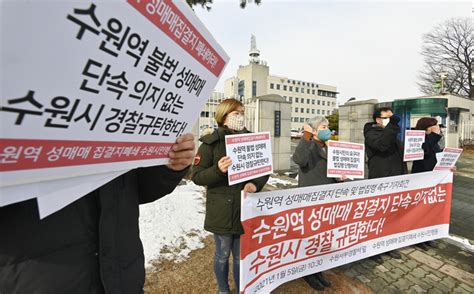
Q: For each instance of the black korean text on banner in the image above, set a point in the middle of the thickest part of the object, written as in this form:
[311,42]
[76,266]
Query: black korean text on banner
[296,232]
[413,150]
[107,86]
[251,156]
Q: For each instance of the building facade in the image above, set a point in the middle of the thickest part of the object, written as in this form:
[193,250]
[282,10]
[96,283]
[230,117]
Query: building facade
[307,98]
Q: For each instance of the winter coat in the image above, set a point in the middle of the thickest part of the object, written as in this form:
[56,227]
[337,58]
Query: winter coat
[384,151]
[430,148]
[90,246]
[222,200]
[312,161]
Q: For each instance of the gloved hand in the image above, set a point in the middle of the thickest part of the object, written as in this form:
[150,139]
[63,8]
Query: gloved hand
[394,120]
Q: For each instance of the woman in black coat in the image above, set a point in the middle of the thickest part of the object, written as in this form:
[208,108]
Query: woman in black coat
[430,147]
[311,157]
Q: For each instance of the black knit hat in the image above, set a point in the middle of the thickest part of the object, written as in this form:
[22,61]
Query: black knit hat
[425,122]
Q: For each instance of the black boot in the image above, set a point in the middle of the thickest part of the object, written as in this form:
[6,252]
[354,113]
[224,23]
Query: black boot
[314,282]
[395,254]
[377,258]
[423,246]
[324,281]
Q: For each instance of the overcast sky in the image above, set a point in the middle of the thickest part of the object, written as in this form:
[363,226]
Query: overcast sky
[367,49]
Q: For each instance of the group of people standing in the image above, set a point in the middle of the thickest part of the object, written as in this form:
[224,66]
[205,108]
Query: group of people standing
[93,245]
[384,154]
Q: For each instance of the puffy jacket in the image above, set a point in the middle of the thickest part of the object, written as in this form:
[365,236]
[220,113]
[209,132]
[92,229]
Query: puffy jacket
[384,151]
[222,200]
[430,148]
[90,246]
[312,161]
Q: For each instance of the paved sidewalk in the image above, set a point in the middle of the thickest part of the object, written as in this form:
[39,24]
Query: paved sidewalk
[447,269]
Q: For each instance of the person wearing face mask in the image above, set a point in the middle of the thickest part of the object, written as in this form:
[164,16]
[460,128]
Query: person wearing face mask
[431,145]
[311,157]
[430,148]
[384,152]
[223,201]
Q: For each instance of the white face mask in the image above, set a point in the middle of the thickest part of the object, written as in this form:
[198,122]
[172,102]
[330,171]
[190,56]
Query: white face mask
[385,121]
[235,122]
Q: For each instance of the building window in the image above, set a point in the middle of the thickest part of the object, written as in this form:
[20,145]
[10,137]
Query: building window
[296,109]
[278,86]
[241,88]
[302,119]
[302,90]
[299,82]
[312,111]
[293,82]
[254,88]
[313,101]
[291,88]
[272,86]
[324,102]
[307,101]
[297,89]
[319,102]
[313,92]
[302,110]
[285,87]
[312,86]
[296,99]
[291,99]
[203,114]
[307,110]
[307,91]
[323,111]
[319,111]
[303,83]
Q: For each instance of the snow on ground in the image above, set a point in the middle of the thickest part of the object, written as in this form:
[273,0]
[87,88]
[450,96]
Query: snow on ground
[274,181]
[171,227]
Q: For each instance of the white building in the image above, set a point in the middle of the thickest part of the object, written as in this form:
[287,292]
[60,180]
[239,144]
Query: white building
[308,98]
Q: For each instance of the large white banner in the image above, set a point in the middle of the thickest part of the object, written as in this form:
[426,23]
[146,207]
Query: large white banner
[90,87]
[296,232]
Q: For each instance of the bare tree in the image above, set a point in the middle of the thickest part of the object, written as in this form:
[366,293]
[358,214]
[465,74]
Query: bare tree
[449,49]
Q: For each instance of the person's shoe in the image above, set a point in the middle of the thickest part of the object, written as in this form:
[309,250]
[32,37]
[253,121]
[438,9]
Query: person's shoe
[324,281]
[423,246]
[314,282]
[432,244]
[377,258]
[395,254]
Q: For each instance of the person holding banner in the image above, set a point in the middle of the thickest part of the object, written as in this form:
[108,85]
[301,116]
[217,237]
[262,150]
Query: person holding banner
[384,152]
[223,201]
[311,157]
[431,145]
[93,245]
[430,148]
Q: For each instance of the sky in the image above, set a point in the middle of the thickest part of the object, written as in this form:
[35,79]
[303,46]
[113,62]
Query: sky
[367,49]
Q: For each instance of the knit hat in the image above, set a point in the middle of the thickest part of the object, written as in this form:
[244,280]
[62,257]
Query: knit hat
[425,122]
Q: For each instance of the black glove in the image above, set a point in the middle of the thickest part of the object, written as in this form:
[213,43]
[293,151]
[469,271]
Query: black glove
[394,120]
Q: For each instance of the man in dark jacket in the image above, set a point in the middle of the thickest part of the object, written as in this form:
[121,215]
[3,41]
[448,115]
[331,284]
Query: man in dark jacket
[384,152]
[92,245]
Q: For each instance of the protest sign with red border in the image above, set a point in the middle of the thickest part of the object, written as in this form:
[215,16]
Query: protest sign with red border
[296,232]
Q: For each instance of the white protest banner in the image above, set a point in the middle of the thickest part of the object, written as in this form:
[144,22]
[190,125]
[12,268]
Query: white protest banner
[251,156]
[345,158]
[90,87]
[18,193]
[296,232]
[65,195]
[413,141]
[447,159]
